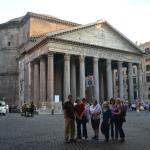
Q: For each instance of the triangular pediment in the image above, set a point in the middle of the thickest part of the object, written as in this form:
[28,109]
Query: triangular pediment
[100,34]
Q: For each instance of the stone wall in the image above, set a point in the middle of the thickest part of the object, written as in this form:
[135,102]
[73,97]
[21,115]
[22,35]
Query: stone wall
[8,65]
[8,35]
[24,33]
[38,27]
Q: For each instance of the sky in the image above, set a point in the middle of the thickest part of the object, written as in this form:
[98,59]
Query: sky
[130,17]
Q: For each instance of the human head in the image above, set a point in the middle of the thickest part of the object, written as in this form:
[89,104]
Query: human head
[118,101]
[112,101]
[94,101]
[84,100]
[105,104]
[70,98]
[78,100]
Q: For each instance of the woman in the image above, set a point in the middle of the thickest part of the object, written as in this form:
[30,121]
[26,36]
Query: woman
[106,120]
[119,119]
[95,111]
[113,108]
[85,118]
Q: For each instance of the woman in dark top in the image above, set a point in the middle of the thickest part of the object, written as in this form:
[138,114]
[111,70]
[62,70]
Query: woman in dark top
[119,119]
[113,108]
[106,120]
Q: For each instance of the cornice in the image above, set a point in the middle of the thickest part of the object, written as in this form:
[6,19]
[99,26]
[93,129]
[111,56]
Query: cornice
[13,24]
[45,17]
[92,45]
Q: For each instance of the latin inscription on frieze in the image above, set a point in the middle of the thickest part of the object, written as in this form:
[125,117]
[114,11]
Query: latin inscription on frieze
[85,51]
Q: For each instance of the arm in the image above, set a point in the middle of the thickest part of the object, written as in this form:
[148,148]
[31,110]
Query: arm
[117,113]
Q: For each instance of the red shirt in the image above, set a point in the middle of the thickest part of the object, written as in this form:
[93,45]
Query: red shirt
[79,108]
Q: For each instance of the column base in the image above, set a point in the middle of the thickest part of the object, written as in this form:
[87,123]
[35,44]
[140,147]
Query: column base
[56,108]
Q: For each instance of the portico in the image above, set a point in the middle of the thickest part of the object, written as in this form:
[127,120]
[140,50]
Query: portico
[62,60]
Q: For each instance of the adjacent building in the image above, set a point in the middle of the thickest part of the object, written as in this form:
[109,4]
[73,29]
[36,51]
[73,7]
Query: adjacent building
[146,70]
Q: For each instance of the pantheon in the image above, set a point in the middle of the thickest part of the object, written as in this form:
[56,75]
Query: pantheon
[59,61]
[44,59]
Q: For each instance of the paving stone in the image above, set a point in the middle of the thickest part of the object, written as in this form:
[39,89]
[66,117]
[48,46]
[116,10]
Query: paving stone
[46,132]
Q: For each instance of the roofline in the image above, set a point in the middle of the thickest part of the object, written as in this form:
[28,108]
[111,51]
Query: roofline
[52,35]
[44,17]
[13,24]
[121,34]
[10,25]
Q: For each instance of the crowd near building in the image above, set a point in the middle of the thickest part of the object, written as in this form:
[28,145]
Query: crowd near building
[43,57]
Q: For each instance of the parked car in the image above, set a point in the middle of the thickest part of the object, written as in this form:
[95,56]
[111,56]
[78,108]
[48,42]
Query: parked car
[2,108]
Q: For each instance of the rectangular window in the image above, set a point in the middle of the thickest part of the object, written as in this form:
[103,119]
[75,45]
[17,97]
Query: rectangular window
[147,50]
[133,70]
[134,80]
[147,67]
[148,78]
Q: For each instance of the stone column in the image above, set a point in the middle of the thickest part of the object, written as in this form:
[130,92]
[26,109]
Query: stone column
[66,76]
[36,86]
[21,82]
[120,77]
[50,78]
[73,79]
[96,78]
[130,82]
[42,80]
[140,82]
[109,79]
[101,83]
[30,81]
[26,76]
[82,76]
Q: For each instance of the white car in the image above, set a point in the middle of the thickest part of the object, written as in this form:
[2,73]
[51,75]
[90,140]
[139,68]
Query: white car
[2,108]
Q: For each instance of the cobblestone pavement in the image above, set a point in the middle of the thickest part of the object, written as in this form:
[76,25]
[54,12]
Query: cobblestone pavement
[45,132]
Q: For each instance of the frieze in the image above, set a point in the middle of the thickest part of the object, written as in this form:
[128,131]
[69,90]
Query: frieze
[95,52]
[85,51]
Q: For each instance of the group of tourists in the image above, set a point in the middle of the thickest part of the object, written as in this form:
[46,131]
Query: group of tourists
[112,112]
[28,110]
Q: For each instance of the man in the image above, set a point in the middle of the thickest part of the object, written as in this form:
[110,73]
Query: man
[24,109]
[69,117]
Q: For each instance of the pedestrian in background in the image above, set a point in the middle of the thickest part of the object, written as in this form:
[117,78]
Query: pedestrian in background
[24,109]
[32,107]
